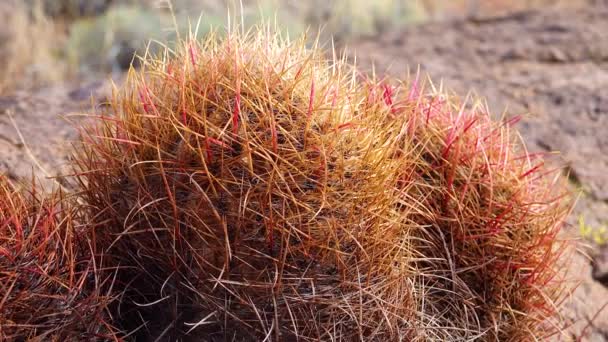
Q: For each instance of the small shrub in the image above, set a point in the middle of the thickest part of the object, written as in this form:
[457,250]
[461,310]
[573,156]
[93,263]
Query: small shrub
[112,41]
[345,20]
[71,9]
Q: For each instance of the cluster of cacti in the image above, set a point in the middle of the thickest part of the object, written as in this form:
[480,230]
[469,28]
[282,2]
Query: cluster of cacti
[249,188]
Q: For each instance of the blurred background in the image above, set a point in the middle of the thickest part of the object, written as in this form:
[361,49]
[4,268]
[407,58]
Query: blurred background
[546,60]
[46,41]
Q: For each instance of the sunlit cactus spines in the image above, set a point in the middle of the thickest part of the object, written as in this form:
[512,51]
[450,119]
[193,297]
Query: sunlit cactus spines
[245,187]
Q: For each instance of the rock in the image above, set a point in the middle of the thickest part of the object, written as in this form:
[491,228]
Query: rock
[556,55]
[600,266]
[126,56]
[586,309]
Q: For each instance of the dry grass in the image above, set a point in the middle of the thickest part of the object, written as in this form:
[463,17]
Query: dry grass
[47,275]
[29,44]
[246,188]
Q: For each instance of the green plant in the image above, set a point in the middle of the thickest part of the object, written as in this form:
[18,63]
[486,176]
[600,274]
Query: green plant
[71,9]
[349,19]
[112,40]
[246,187]
[598,235]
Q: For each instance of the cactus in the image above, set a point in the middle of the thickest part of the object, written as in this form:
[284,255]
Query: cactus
[47,275]
[246,188]
[492,265]
[249,161]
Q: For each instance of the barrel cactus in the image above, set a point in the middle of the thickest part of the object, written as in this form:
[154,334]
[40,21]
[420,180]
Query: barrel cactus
[246,187]
[48,284]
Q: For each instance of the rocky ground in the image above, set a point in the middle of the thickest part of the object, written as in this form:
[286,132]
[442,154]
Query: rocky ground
[36,129]
[551,66]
